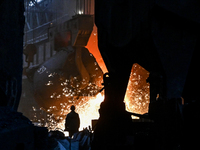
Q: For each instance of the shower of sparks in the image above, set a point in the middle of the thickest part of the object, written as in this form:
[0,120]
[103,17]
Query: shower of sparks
[86,107]
[137,94]
[71,90]
[136,100]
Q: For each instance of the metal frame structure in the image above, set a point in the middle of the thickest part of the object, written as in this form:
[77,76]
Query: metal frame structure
[42,14]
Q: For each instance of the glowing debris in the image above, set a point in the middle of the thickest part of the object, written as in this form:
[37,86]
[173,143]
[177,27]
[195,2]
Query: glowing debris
[87,106]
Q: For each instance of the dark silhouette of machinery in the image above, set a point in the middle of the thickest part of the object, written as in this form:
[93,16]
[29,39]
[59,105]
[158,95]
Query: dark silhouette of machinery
[72,72]
[161,37]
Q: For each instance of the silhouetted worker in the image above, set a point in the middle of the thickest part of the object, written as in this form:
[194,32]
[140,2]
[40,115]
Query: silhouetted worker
[72,122]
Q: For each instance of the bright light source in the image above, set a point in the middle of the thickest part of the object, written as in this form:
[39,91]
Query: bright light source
[32,3]
[80,12]
[66,133]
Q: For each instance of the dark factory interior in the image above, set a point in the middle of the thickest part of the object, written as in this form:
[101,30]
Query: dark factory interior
[127,68]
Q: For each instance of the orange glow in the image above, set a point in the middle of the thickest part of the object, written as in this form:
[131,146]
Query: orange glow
[87,108]
[93,48]
[136,98]
[137,95]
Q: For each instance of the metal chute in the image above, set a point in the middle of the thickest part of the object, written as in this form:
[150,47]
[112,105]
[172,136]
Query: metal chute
[70,73]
